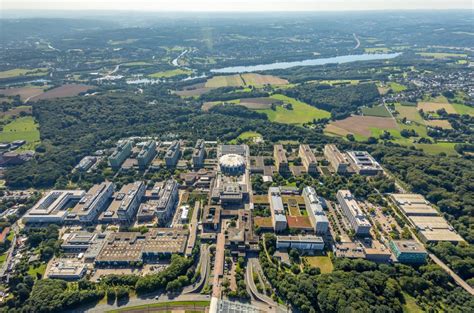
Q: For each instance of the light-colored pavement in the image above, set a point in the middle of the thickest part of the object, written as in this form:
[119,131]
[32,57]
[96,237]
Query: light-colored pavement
[204,268]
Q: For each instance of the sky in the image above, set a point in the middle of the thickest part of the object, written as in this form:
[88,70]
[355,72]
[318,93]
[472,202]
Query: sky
[233,5]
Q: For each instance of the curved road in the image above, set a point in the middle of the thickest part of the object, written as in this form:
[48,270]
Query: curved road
[204,267]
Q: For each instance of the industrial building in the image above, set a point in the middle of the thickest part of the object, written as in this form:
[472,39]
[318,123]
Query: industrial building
[67,269]
[314,207]
[308,159]
[91,204]
[173,154]
[53,208]
[281,162]
[121,153]
[146,154]
[277,209]
[124,205]
[336,159]
[430,225]
[408,251]
[363,163]
[353,212]
[232,164]
[199,153]
[300,242]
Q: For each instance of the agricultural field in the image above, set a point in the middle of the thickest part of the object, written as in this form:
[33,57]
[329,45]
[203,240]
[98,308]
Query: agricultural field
[379,110]
[409,112]
[324,263]
[299,114]
[440,55]
[377,50]
[432,107]
[17,72]
[439,123]
[25,92]
[463,109]
[207,105]
[259,103]
[193,90]
[438,147]
[16,111]
[136,63]
[361,125]
[170,73]
[23,128]
[68,90]
[248,79]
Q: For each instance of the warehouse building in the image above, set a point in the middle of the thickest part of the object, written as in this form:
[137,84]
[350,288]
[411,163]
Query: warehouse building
[300,242]
[363,163]
[121,153]
[146,154]
[199,153]
[308,159]
[414,205]
[124,205]
[353,212]
[281,162]
[336,159]
[277,209]
[173,154]
[408,251]
[91,204]
[53,208]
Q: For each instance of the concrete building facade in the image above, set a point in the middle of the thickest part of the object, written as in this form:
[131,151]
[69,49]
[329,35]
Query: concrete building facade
[121,153]
[277,209]
[353,212]
[308,159]
[147,154]
[336,159]
[173,154]
[281,162]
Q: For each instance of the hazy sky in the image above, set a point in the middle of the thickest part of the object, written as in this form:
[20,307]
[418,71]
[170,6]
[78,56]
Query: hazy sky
[233,5]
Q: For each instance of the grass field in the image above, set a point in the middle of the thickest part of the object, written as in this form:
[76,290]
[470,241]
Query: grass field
[24,92]
[323,262]
[247,79]
[435,106]
[439,55]
[225,81]
[377,50]
[246,136]
[32,271]
[16,111]
[463,109]
[410,305]
[3,257]
[136,63]
[23,128]
[396,87]
[301,112]
[379,110]
[439,123]
[409,112]
[437,148]
[16,72]
[170,305]
[170,73]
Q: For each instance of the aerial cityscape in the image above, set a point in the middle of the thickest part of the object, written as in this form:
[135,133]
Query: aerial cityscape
[236,161]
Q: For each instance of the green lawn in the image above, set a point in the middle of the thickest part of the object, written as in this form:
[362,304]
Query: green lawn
[323,262]
[32,271]
[379,110]
[437,148]
[3,257]
[23,128]
[246,136]
[170,73]
[170,304]
[301,112]
[409,112]
[396,87]
[410,305]
[23,71]
[439,55]
[463,109]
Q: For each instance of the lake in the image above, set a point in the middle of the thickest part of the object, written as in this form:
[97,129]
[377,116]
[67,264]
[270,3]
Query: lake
[310,62]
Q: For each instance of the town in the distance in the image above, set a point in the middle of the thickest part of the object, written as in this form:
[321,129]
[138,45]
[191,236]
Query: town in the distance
[228,163]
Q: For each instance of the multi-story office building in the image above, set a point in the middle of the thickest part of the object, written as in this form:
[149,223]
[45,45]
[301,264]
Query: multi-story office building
[199,153]
[277,209]
[86,163]
[121,153]
[147,154]
[408,251]
[53,208]
[300,242]
[317,216]
[281,162]
[336,159]
[166,204]
[173,154]
[308,159]
[91,204]
[125,204]
[364,163]
[353,212]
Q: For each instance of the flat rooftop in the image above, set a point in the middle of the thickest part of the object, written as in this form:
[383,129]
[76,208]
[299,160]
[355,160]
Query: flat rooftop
[409,198]
[435,222]
[409,246]
[440,235]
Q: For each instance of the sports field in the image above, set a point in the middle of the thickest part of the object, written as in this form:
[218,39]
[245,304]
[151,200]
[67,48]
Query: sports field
[23,128]
[299,114]
[379,110]
[170,73]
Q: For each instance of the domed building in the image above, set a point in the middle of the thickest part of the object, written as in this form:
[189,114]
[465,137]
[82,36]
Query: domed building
[232,164]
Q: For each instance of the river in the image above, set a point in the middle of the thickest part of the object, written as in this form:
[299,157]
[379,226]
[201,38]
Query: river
[310,62]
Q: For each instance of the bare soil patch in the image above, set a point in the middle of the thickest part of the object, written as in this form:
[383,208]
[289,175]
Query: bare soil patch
[68,90]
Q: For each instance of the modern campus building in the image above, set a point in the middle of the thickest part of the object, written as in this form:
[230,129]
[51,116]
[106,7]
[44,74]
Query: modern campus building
[277,209]
[121,153]
[314,207]
[199,153]
[86,163]
[124,205]
[430,225]
[281,162]
[242,150]
[336,159]
[91,204]
[408,251]
[308,159]
[67,269]
[232,164]
[53,208]
[173,154]
[300,242]
[147,154]
[353,212]
[364,163]
[166,205]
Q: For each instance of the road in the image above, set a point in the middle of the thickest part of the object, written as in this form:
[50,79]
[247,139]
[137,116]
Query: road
[204,268]
[456,278]
[5,270]
[357,40]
